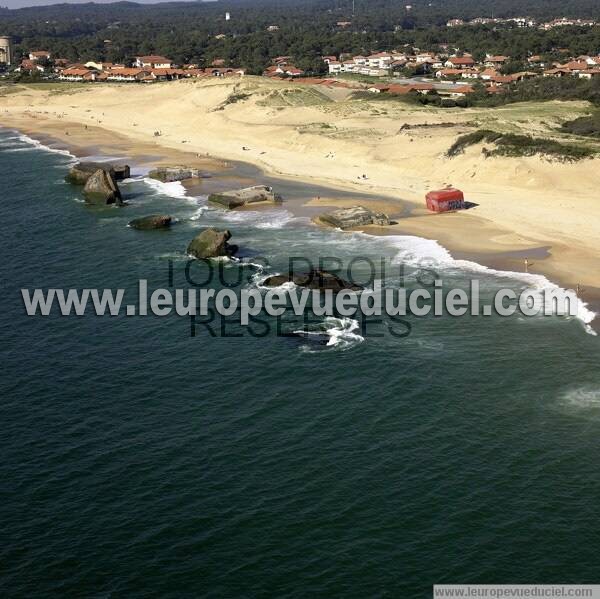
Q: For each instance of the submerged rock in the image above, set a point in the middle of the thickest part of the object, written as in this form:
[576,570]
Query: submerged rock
[82,171]
[152,221]
[243,197]
[317,338]
[169,174]
[356,216]
[101,188]
[211,243]
[313,279]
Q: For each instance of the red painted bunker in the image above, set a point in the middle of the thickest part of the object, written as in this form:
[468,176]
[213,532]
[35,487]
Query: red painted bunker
[445,200]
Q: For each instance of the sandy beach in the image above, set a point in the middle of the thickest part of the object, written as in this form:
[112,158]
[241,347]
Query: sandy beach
[533,208]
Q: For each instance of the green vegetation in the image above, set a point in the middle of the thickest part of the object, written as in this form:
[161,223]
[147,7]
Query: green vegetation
[545,88]
[236,97]
[296,96]
[7,88]
[307,29]
[588,126]
[508,144]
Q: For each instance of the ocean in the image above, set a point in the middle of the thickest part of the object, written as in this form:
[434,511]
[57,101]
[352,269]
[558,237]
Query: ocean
[139,460]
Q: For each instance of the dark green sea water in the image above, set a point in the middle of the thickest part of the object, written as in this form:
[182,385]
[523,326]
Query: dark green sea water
[138,461]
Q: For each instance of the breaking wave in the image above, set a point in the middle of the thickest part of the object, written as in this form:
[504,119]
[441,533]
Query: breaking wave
[199,212]
[34,144]
[341,334]
[268,219]
[419,252]
[174,189]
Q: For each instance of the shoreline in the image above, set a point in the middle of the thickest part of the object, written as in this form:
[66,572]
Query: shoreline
[490,247]
[340,148]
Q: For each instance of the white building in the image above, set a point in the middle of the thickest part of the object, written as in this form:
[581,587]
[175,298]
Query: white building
[127,75]
[152,62]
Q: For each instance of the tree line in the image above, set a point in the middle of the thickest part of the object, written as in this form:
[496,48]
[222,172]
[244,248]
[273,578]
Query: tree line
[307,29]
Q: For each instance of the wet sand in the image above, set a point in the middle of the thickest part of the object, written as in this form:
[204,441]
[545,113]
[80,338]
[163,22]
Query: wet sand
[466,235]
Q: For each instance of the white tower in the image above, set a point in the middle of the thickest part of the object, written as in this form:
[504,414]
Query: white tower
[227,16]
[6,54]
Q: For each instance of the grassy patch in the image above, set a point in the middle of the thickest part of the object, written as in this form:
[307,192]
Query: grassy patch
[508,144]
[588,126]
[57,88]
[297,96]
[8,88]
[236,97]
[361,78]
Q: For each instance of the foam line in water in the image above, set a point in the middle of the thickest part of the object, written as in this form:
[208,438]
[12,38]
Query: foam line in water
[258,279]
[267,219]
[103,158]
[586,397]
[341,333]
[174,189]
[34,144]
[416,251]
[199,212]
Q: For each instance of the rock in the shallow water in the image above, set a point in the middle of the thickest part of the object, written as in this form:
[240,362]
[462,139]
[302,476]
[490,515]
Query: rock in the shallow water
[169,174]
[211,243]
[82,171]
[122,171]
[153,221]
[313,279]
[242,197]
[101,188]
[357,216]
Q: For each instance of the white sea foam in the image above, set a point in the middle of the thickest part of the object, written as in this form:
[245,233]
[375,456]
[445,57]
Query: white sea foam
[587,397]
[419,252]
[341,333]
[267,219]
[228,261]
[199,212]
[244,262]
[34,144]
[103,158]
[174,189]
[258,281]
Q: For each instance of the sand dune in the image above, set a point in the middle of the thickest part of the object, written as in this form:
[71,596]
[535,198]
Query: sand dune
[324,136]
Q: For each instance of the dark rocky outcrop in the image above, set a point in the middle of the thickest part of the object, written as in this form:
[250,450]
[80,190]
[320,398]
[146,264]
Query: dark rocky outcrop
[101,188]
[152,221]
[211,243]
[82,171]
[356,216]
[122,171]
[243,197]
[169,174]
[313,279]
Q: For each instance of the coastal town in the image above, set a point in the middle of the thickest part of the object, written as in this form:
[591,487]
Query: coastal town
[449,71]
[145,69]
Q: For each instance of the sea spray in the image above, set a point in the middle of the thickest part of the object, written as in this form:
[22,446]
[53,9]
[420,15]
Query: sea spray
[174,189]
